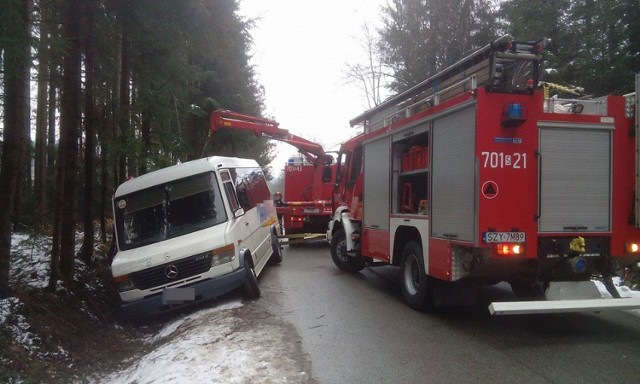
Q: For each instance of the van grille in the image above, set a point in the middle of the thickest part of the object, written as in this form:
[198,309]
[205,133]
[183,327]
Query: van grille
[157,276]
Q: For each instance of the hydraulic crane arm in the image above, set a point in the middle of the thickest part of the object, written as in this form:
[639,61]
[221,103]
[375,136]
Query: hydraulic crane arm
[222,118]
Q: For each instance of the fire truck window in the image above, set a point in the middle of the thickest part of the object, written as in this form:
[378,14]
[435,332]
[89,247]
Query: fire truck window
[327,175]
[356,165]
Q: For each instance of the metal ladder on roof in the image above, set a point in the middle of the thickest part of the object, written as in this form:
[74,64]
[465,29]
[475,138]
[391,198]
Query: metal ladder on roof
[486,67]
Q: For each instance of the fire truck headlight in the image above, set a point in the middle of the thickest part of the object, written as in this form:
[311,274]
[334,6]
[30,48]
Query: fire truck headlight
[633,248]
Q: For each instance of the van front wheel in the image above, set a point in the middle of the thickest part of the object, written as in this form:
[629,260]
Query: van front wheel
[251,288]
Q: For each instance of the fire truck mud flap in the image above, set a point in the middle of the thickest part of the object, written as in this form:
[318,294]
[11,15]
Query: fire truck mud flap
[565,297]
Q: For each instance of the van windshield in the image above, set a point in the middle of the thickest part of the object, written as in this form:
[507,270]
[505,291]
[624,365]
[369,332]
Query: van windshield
[168,210]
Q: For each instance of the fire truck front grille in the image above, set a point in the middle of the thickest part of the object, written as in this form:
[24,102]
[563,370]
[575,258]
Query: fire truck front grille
[170,272]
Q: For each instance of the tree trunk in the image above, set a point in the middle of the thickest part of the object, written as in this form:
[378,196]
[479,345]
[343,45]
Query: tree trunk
[146,142]
[40,181]
[124,106]
[69,124]
[16,76]
[86,252]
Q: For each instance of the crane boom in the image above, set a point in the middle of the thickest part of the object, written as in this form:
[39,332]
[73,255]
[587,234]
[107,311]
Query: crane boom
[223,118]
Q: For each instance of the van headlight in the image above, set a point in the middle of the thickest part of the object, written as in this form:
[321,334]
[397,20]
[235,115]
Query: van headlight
[124,283]
[223,255]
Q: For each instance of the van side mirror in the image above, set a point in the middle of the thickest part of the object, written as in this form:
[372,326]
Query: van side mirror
[326,174]
[238,213]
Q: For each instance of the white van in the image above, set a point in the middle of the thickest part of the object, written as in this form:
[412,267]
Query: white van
[192,232]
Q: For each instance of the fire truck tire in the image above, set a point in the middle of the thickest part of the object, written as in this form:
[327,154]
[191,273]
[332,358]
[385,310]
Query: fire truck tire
[276,256]
[416,286]
[251,289]
[339,255]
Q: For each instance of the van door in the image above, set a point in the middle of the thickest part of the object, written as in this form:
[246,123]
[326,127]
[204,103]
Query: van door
[252,192]
[239,232]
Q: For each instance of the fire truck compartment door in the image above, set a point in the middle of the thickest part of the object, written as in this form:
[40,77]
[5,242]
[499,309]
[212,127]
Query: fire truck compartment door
[453,180]
[575,178]
[377,184]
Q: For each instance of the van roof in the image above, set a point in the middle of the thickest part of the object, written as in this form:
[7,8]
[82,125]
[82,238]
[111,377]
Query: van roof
[182,170]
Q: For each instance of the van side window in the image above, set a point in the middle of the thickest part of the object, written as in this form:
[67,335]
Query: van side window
[252,187]
[231,195]
[227,185]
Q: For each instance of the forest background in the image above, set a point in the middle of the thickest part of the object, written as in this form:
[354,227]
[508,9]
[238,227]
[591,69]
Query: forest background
[97,91]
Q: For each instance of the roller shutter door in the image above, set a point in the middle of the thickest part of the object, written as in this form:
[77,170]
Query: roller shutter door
[575,179]
[376,184]
[453,191]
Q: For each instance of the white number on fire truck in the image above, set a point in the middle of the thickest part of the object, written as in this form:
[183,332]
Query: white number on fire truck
[504,160]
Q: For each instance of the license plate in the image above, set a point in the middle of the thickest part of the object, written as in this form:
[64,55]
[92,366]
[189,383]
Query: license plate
[311,210]
[503,237]
[178,295]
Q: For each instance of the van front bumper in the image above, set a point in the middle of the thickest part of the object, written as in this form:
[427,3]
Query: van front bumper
[204,290]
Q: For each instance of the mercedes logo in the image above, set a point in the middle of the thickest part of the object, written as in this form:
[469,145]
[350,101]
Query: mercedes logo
[171,271]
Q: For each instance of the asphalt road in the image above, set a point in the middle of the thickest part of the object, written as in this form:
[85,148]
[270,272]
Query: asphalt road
[356,328]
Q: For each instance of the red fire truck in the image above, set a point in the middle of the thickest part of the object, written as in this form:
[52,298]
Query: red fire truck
[476,176]
[308,178]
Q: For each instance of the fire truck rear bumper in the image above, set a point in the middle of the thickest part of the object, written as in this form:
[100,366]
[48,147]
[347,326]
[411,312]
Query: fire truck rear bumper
[565,297]
[562,306]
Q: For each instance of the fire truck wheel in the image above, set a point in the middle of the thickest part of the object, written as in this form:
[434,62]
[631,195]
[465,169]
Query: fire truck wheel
[251,288]
[276,256]
[416,288]
[339,254]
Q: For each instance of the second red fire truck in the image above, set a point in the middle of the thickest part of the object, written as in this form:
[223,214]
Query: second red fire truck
[476,176]
[308,177]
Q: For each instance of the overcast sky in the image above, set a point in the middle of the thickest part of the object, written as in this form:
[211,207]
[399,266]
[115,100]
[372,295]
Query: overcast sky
[300,53]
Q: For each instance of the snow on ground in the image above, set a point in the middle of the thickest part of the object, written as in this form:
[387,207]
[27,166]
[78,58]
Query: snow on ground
[230,343]
[622,289]
[225,344]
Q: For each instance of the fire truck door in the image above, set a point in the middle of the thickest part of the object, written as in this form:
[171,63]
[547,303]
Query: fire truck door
[575,178]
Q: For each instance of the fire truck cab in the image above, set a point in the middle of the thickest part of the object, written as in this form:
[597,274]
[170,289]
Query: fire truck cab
[477,176]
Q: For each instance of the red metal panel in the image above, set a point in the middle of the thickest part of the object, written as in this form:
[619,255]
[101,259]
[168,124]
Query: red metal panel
[298,182]
[624,152]
[376,244]
[507,185]
[439,259]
